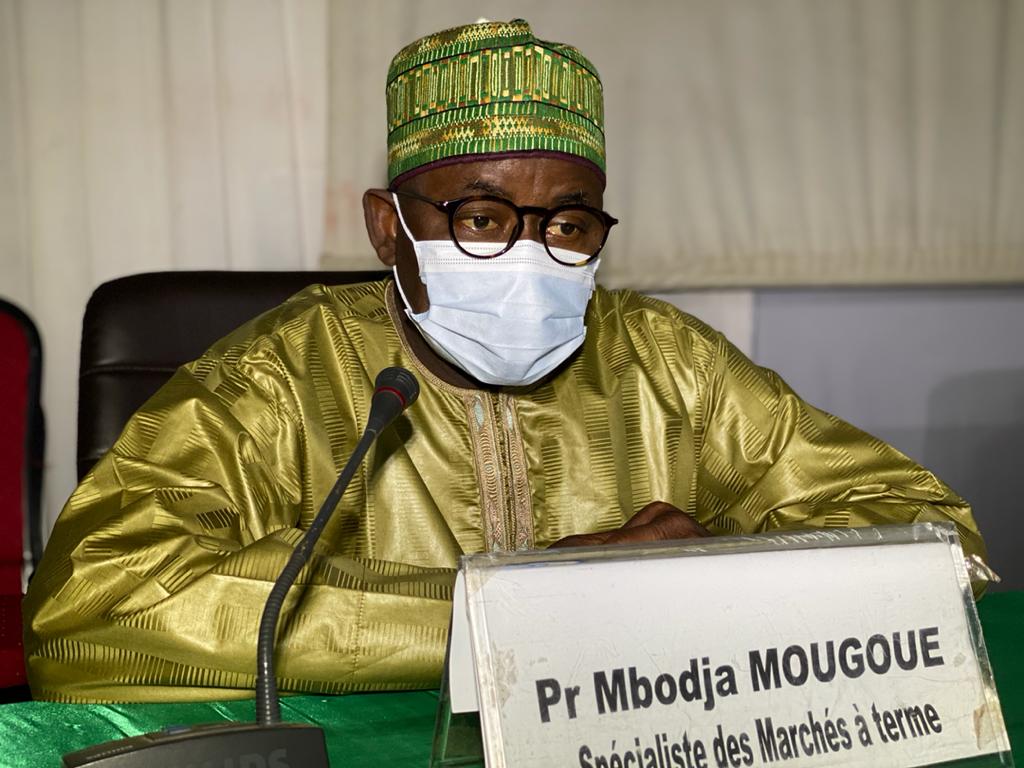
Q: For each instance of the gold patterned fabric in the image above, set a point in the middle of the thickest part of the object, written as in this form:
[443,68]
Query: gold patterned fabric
[153,582]
[491,87]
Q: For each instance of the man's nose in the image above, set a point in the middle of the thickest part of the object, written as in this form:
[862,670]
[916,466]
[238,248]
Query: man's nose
[531,227]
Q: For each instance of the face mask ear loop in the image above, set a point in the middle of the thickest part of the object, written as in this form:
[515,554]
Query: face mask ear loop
[394,269]
[401,218]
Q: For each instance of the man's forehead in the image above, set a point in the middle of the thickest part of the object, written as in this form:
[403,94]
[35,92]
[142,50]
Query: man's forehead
[526,180]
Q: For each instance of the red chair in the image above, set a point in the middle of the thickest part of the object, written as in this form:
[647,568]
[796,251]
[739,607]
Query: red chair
[21,465]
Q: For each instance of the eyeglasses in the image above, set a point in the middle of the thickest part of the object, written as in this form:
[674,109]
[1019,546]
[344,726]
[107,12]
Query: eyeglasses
[484,226]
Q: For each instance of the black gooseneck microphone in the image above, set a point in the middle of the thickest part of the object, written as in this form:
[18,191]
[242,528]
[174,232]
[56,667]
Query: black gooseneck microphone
[394,390]
[268,742]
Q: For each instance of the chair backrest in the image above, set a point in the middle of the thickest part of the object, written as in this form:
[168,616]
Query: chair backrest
[21,444]
[138,330]
[21,466]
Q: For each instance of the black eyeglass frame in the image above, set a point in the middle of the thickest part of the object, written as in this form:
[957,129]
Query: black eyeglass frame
[449,207]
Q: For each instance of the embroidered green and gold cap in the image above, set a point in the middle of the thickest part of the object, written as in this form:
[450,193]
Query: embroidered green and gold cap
[491,88]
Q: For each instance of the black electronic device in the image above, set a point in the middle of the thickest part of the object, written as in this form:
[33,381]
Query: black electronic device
[217,745]
[268,743]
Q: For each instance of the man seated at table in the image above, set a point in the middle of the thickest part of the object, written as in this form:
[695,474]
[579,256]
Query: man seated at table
[551,413]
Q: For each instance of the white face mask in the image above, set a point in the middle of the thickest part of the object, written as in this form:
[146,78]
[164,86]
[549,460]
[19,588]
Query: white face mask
[509,320]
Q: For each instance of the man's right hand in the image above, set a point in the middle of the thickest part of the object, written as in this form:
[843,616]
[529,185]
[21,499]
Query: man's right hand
[657,521]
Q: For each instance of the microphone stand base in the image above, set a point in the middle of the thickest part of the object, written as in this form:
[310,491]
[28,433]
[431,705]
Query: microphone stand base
[216,745]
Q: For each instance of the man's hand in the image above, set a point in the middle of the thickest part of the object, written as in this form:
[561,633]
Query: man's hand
[658,521]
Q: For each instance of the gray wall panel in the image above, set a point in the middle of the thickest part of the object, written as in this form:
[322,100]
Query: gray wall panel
[938,373]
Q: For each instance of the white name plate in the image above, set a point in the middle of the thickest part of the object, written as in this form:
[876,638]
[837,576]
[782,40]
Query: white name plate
[843,648]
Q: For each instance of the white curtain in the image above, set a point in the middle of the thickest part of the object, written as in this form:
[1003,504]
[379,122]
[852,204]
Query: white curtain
[141,135]
[754,142]
[750,142]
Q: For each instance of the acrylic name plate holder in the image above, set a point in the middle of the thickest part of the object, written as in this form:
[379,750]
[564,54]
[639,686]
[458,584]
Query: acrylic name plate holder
[836,647]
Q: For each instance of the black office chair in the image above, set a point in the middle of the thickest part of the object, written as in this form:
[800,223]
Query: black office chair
[138,330]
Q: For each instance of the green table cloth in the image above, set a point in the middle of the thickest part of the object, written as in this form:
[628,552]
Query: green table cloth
[389,728]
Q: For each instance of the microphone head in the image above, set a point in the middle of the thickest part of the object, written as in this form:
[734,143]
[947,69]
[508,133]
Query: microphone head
[399,382]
